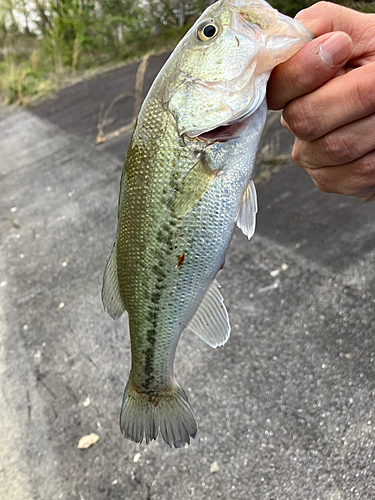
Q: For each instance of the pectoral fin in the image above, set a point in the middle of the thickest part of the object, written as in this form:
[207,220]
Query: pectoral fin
[192,188]
[111,297]
[211,321]
[246,218]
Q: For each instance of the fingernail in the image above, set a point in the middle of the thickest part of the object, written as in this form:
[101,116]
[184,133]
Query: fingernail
[336,50]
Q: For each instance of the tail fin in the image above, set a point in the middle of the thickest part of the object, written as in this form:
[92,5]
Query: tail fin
[142,417]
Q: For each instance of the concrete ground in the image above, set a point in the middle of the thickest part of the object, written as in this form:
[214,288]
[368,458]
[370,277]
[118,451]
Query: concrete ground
[285,409]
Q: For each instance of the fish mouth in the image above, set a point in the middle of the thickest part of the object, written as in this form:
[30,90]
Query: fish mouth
[232,130]
[223,133]
[234,127]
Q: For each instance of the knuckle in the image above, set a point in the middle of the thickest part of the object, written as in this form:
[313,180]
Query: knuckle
[364,93]
[353,179]
[322,6]
[329,7]
[363,182]
[301,119]
[317,9]
[296,157]
[367,195]
[321,182]
[366,169]
[299,155]
[339,149]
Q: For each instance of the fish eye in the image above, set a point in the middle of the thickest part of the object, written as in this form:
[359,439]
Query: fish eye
[207,31]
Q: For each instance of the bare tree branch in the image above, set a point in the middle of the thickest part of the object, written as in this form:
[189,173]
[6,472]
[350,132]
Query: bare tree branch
[137,94]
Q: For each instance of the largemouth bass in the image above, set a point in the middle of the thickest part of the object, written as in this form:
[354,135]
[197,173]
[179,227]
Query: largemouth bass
[186,183]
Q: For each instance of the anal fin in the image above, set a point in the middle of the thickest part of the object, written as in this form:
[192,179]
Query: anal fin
[211,321]
[246,218]
[111,297]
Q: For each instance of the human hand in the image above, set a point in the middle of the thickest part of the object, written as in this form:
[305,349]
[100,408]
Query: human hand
[327,91]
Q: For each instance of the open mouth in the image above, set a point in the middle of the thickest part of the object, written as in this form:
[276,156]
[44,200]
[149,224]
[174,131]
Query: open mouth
[224,133]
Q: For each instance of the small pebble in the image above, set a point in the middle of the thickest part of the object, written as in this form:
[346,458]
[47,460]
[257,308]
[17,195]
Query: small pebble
[49,188]
[22,255]
[61,305]
[86,402]
[136,458]
[214,467]
[274,273]
[64,264]
[3,283]
[13,209]
[87,441]
[284,267]
[114,482]
[62,217]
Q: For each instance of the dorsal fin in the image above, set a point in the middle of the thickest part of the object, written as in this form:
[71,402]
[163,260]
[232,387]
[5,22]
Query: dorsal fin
[211,321]
[111,297]
[246,218]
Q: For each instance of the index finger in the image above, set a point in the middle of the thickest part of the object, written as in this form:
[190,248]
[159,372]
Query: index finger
[325,17]
[310,68]
[304,72]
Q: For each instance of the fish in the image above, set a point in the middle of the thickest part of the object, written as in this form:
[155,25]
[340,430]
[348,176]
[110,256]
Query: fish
[185,185]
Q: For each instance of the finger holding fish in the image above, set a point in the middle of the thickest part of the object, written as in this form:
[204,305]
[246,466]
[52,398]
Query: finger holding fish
[355,178]
[326,90]
[309,69]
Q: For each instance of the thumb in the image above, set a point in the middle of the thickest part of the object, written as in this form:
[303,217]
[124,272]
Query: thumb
[311,67]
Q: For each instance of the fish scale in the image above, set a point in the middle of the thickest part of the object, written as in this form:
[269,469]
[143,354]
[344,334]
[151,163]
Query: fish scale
[185,184]
[148,220]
